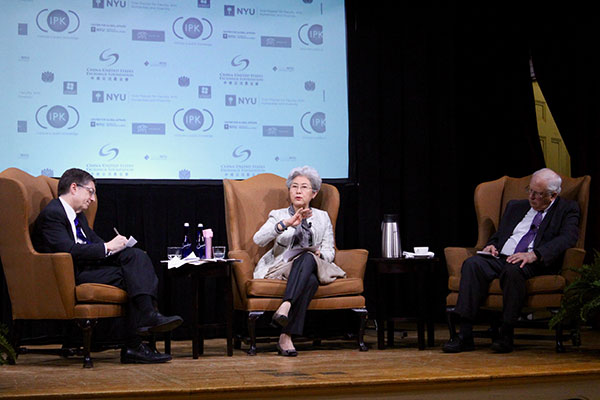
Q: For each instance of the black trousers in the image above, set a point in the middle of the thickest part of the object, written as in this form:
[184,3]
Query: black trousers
[301,286]
[476,275]
[131,270]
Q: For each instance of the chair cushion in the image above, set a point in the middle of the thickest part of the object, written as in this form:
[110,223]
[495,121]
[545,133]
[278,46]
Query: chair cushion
[536,285]
[276,288]
[100,293]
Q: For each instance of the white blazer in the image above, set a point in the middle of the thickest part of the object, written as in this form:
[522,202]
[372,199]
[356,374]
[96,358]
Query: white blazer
[321,228]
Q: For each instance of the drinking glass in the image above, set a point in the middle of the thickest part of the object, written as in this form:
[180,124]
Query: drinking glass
[173,252]
[219,252]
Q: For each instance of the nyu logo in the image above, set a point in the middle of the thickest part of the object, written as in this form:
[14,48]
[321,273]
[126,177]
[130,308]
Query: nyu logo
[317,122]
[239,153]
[98,96]
[108,57]
[231,11]
[193,119]
[109,3]
[240,62]
[314,35]
[104,152]
[231,100]
[57,117]
[192,28]
[57,21]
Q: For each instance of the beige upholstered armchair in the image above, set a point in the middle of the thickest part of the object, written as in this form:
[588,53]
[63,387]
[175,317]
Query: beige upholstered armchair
[42,286]
[247,205]
[545,292]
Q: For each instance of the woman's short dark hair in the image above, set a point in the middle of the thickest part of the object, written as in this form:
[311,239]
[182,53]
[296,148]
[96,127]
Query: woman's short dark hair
[73,175]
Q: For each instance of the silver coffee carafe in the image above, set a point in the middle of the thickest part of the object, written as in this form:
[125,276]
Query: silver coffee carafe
[390,237]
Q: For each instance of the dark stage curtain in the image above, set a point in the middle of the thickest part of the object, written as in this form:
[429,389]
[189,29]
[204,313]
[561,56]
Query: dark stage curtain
[440,100]
[566,63]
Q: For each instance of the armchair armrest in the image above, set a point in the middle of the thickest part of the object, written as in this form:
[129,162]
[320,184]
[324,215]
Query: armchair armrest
[455,256]
[353,262]
[242,273]
[573,259]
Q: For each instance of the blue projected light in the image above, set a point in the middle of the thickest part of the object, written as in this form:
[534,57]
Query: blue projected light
[195,89]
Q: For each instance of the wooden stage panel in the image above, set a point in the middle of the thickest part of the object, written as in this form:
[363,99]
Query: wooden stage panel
[332,370]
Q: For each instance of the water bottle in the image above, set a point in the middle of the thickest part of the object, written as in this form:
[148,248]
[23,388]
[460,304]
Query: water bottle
[390,237]
[200,249]
[186,246]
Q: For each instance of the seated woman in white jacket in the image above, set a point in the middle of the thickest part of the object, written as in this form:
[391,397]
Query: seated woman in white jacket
[297,227]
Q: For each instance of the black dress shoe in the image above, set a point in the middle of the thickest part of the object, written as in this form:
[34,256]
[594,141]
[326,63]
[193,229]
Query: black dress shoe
[156,322]
[459,344]
[286,353]
[502,345]
[280,319]
[142,354]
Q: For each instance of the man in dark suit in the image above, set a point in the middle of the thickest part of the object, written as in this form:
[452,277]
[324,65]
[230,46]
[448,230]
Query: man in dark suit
[532,237]
[63,227]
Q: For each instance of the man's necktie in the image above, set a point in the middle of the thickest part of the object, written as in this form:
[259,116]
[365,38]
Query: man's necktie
[523,244]
[79,231]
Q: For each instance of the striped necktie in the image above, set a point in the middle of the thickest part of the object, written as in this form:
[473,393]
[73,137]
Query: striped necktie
[79,231]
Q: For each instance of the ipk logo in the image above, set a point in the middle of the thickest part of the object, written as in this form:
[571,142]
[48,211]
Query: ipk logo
[58,117]
[232,11]
[311,35]
[57,21]
[316,122]
[109,3]
[240,63]
[106,57]
[193,119]
[240,152]
[192,28]
[112,152]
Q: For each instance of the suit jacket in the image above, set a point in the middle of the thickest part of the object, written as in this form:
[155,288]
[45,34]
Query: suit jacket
[52,233]
[321,228]
[558,231]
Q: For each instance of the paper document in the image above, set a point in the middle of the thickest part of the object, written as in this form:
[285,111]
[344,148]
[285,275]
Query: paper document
[408,254]
[486,254]
[193,260]
[289,254]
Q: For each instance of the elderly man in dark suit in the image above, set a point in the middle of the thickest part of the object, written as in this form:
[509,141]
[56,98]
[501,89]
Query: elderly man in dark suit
[63,227]
[532,237]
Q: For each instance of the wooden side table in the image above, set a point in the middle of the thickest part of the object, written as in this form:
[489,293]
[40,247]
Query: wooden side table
[424,270]
[198,273]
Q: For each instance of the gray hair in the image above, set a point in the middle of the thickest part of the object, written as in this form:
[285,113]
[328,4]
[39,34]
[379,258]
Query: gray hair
[308,172]
[552,179]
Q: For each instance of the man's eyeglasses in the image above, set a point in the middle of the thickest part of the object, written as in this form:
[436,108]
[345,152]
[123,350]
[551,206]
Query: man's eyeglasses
[304,188]
[535,194]
[89,189]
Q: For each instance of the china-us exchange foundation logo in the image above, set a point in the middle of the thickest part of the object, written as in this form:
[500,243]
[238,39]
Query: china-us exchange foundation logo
[112,152]
[108,57]
[193,119]
[192,28]
[240,152]
[316,122]
[313,34]
[57,21]
[58,117]
[240,63]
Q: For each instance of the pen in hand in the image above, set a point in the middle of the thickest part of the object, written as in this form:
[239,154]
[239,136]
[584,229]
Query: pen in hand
[116,231]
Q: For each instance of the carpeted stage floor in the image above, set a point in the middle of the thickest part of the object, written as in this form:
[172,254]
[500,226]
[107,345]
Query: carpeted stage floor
[333,370]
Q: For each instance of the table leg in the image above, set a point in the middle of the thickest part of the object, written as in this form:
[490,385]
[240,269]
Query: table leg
[380,318]
[421,309]
[195,311]
[229,312]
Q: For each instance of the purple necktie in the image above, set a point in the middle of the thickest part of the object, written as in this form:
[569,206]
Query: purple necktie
[79,231]
[523,244]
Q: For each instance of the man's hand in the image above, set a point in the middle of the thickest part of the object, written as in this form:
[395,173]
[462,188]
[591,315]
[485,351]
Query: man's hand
[523,258]
[491,249]
[117,244]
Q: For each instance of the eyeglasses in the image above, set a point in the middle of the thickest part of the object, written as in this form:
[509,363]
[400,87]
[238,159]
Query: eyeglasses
[535,194]
[303,188]
[89,189]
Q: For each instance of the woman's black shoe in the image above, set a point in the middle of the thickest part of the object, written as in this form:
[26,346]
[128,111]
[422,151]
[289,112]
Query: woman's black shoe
[142,354]
[280,319]
[286,353]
